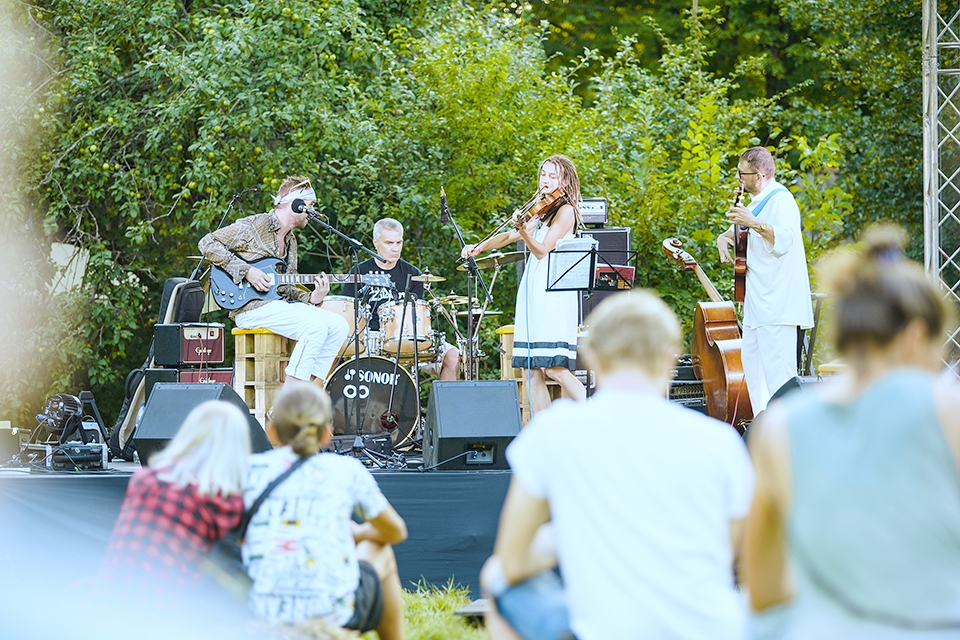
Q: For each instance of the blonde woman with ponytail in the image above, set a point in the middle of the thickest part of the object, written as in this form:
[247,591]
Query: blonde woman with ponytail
[854,530]
[304,552]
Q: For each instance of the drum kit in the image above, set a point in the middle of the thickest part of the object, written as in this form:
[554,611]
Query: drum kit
[375,388]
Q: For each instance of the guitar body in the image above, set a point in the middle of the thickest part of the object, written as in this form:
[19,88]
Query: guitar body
[231,296]
[716,361]
[740,264]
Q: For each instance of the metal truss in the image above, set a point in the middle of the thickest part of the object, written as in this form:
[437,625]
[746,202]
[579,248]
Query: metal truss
[941,154]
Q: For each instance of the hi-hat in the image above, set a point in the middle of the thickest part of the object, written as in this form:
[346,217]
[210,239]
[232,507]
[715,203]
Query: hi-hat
[477,310]
[453,299]
[428,277]
[496,258]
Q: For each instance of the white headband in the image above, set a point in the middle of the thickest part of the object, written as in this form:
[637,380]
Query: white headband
[304,193]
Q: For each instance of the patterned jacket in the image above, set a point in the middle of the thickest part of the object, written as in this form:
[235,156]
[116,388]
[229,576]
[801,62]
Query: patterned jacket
[232,248]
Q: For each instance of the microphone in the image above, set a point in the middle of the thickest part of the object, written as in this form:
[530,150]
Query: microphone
[444,210]
[299,206]
[389,420]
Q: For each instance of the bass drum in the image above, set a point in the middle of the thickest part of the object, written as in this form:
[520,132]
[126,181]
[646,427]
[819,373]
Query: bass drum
[371,398]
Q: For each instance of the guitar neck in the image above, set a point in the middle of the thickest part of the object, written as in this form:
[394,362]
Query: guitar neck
[308,278]
[711,290]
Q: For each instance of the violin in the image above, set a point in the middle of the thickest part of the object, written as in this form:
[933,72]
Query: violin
[740,253]
[539,206]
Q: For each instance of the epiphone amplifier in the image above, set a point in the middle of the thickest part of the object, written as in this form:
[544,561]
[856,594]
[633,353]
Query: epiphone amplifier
[176,345]
[593,211]
[187,376]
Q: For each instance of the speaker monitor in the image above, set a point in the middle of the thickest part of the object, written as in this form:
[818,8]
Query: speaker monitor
[169,405]
[613,248]
[796,382]
[470,423]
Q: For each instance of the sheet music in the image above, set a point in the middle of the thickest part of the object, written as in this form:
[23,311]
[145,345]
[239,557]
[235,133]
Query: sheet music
[571,264]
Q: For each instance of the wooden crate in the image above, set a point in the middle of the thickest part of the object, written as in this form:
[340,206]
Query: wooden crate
[260,360]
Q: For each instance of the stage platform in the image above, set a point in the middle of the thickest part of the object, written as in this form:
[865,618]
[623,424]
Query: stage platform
[58,524]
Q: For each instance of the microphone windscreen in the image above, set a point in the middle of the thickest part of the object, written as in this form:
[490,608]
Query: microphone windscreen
[298,205]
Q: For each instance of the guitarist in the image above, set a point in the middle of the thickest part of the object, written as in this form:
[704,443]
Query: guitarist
[776,305]
[319,333]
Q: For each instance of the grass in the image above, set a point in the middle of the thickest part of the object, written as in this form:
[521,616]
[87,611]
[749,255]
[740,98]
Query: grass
[428,615]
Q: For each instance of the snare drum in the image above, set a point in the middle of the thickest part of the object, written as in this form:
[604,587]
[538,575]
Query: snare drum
[417,312]
[343,307]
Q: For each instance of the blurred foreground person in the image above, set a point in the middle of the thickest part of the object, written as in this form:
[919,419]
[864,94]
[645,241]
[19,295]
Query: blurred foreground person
[645,523]
[854,531]
[188,499]
[305,555]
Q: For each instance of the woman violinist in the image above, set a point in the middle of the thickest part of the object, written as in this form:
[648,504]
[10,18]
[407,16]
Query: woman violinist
[545,324]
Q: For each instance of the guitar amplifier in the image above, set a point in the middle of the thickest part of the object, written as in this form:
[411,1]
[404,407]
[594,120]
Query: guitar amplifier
[176,345]
[186,376]
[593,211]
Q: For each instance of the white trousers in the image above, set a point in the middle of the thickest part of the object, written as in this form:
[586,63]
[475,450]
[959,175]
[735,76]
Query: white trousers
[769,357]
[319,334]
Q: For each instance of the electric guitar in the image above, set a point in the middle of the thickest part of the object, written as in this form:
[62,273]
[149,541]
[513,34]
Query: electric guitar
[230,295]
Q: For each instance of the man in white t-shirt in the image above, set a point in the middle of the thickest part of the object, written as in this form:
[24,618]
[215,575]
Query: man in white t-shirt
[645,523]
[777,296]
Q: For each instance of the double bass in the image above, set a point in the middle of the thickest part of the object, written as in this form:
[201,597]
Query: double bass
[716,348]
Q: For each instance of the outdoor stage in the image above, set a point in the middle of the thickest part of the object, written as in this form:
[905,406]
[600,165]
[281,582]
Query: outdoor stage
[57,525]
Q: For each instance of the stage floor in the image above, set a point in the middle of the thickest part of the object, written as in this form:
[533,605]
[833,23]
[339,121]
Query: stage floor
[58,524]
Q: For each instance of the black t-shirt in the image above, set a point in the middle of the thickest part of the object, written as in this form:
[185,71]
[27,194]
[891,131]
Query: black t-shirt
[375,296]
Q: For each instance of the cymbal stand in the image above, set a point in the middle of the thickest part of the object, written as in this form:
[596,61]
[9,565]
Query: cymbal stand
[473,276]
[355,248]
[389,419]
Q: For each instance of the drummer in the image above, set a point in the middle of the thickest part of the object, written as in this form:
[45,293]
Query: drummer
[388,240]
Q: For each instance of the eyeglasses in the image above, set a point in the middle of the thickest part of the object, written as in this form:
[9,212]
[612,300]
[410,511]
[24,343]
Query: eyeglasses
[740,174]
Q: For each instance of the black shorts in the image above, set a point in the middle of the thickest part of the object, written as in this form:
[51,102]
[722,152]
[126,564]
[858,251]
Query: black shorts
[368,601]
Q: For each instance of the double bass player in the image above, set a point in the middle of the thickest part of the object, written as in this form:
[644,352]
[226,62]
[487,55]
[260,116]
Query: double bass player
[776,304]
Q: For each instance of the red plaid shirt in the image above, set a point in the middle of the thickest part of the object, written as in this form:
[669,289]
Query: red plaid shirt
[164,531]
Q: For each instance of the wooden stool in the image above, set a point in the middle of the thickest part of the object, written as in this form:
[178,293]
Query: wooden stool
[508,372]
[261,357]
[831,368]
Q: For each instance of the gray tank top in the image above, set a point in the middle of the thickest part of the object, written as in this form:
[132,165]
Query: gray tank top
[875,524]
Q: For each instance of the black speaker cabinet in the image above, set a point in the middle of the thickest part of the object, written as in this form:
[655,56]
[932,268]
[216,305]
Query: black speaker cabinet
[470,423]
[614,248]
[169,405]
[796,382]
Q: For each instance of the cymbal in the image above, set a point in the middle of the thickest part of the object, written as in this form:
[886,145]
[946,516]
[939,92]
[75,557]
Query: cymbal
[496,258]
[453,299]
[194,257]
[476,312]
[428,277]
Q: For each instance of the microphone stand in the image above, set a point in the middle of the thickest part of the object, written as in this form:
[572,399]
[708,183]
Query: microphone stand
[355,248]
[233,201]
[473,272]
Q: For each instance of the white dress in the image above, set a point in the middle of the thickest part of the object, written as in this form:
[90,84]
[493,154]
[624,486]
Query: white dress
[545,323]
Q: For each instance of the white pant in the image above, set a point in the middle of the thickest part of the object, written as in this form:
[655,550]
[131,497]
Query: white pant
[769,357]
[319,334]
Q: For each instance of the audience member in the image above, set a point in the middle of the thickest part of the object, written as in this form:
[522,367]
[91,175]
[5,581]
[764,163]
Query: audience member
[645,521]
[306,556]
[854,531]
[188,499]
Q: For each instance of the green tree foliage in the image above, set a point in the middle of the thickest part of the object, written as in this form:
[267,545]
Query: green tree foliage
[162,110]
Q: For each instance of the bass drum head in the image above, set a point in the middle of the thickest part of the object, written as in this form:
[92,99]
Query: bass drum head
[372,397]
